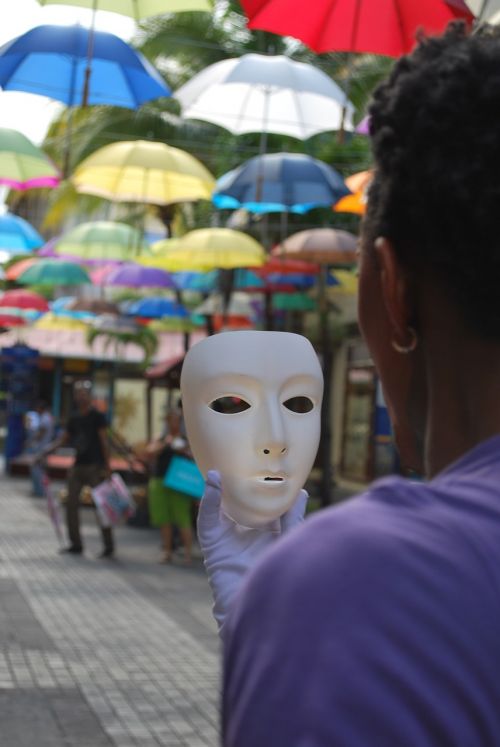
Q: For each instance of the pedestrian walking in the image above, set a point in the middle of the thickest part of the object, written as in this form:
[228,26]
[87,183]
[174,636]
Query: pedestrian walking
[86,432]
[376,622]
[41,435]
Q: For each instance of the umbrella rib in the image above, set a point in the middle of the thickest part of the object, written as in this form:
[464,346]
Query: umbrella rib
[400,24]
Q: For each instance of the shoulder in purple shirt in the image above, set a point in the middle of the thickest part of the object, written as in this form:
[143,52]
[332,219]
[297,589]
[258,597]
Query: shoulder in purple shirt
[377,623]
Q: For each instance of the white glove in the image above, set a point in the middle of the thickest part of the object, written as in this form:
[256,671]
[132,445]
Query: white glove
[230,550]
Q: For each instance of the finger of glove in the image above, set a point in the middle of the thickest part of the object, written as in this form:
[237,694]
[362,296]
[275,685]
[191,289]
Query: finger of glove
[295,515]
[209,512]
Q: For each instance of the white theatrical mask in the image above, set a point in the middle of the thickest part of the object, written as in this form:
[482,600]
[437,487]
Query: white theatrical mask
[251,404]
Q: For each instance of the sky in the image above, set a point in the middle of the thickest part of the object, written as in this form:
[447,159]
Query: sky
[26,112]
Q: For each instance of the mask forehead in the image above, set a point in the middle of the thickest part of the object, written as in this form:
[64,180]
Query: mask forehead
[269,357]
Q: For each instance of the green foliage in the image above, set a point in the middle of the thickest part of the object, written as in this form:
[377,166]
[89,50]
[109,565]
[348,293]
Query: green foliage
[144,338]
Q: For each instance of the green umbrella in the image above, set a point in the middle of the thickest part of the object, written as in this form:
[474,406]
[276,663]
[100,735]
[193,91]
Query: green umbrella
[293,302]
[22,164]
[54,272]
[136,8]
[103,239]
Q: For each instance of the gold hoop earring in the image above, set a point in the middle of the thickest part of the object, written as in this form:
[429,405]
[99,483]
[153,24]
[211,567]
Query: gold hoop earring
[406,348]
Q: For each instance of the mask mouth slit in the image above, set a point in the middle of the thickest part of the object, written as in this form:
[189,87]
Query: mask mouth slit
[273,479]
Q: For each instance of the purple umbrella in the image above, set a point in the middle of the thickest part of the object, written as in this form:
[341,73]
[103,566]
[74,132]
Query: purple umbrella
[363,127]
[137,276]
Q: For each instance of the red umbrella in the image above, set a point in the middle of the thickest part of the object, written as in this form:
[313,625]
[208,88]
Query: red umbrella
[23,299]
[385,27]
[282,266]
[9,320]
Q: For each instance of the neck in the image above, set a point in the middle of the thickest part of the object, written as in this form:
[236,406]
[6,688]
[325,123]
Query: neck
[463,407]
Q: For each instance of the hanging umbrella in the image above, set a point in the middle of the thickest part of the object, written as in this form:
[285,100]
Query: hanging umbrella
[24,299]
[137,9]
[278,182]
[322,245]
[210,248]
[486,11]
[156,308]
[62,303]
[23,165]
[355,203]
[103,240]
[16,269]
[284,266]
[202,282]
[387,27]
[143,171]
[261,93]
[17,236]
[12,317]
[54,272]
[132,275]
[99,276]
[60,322]
[52,61]
[294,302]
[250,282]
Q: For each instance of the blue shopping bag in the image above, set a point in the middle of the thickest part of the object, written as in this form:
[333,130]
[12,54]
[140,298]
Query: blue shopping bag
[183,475]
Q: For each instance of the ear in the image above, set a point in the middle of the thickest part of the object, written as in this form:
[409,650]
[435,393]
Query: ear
[394,286]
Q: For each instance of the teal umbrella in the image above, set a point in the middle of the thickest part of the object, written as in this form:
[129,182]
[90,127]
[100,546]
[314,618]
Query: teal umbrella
[54,272]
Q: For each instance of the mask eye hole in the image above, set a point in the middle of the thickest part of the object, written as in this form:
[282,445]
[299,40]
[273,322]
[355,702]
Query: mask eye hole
[299,404]
[229,405]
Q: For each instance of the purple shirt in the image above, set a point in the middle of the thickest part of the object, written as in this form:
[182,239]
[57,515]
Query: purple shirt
[377,623]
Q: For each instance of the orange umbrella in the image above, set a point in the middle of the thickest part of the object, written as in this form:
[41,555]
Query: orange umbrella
[17,269]
[355,203]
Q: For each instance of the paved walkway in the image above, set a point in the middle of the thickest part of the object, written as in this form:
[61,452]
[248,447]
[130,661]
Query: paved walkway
[96,653]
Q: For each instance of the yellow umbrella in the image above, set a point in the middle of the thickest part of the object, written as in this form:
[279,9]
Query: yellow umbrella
[348,282]
[212,248]
[58,323]
[136,8]
[143,171]
[159,250]
[355,203]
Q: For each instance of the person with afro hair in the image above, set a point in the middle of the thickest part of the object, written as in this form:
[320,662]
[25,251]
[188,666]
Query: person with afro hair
[377,623]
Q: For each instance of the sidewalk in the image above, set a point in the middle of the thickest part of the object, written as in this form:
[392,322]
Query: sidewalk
[97,653]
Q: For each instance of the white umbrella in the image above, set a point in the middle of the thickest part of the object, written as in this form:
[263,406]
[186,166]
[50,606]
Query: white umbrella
[485,10]
[259,93]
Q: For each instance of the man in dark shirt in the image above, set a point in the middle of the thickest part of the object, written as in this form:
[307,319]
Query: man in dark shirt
[86,432]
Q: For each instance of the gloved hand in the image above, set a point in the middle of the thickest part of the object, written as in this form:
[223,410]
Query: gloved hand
[230,550]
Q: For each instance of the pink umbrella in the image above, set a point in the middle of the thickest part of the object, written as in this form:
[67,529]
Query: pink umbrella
[99,276]
[131,275]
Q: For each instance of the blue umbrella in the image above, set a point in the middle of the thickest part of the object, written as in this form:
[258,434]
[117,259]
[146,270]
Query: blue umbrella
[280,182]
[53,61]
[203,282]
[156,308]
[17,235]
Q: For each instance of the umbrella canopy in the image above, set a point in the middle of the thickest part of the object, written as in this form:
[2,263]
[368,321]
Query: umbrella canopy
[294,302]
[251,282]
[210,248]
[485,10]
[156,308]
[143,171]
[202,282]
[261,93]
[103,240]
[15,317]
[278,182]
[24,299]
[16,269]
[285,266]
[54,272]
[356,202]
[322,245]
[59,322]
[17,235]
[52,61]
[387,27]
[100,275]
[137,9]
[132,275]
[22,164]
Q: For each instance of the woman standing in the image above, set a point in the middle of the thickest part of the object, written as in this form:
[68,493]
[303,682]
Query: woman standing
[168,507]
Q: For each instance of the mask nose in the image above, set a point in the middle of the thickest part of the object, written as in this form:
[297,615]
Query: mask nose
[272,440]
